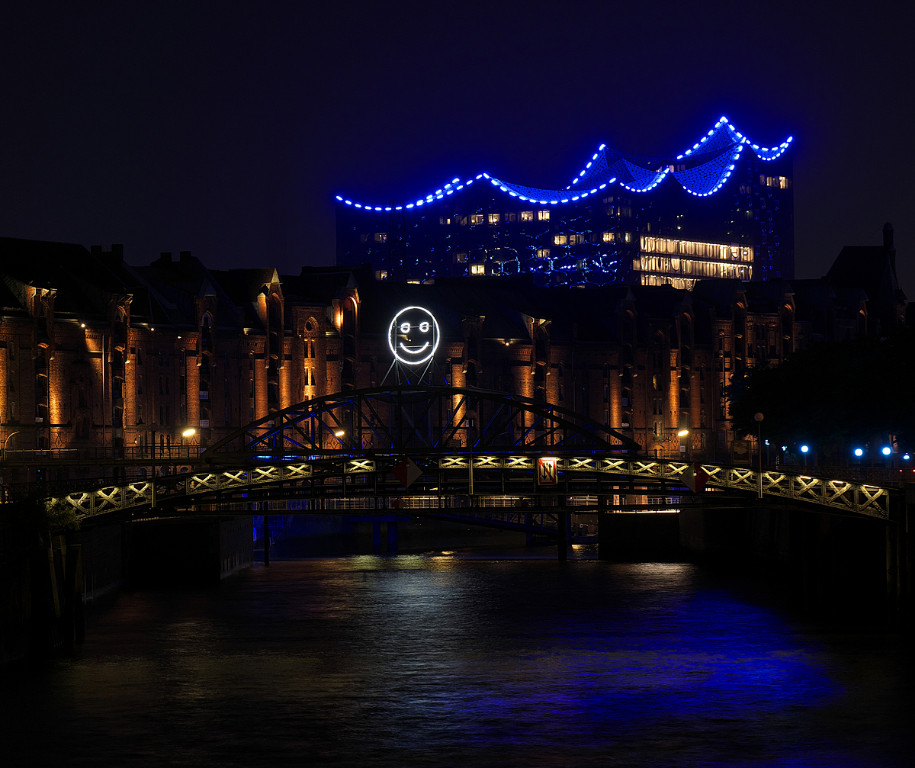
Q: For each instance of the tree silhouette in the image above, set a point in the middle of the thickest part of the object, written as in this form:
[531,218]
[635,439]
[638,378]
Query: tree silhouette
[833,395]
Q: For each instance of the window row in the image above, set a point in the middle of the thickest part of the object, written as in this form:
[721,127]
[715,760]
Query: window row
[778,182]
[495,218]
[703,250]
[677,266]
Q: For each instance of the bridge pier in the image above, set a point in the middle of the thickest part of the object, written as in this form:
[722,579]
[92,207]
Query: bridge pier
[900,533]
[563,537]
[632,536]
[840,567]
[392,536]
[187,550]
[376,536]
[266,539]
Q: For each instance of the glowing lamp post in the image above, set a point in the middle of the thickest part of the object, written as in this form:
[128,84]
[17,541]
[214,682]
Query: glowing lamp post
[683,434]
[758,418]
[187,434]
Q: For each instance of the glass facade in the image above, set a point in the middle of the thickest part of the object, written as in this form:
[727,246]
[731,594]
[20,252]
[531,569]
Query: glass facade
[722,209]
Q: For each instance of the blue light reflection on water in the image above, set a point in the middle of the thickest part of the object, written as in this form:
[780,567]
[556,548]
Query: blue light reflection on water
[618,673]
[419,660]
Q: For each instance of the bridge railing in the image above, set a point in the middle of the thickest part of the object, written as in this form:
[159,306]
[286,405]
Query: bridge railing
[328,476]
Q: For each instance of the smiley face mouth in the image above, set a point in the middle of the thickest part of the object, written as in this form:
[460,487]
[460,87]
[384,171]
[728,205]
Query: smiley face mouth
[414,350]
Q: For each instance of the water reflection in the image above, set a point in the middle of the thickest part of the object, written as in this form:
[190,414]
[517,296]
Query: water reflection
[443,660]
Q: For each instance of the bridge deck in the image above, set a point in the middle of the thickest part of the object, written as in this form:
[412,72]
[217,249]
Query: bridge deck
[347,475]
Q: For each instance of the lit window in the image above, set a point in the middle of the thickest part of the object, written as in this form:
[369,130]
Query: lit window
[381,274]
[576,239]
[381,237]
[494,218]
[543,253]
[477,269]
[543,215]
[783,182]
[627,237]
[460,257]
[608,237]
[527,215]
[444,220]
[559,239]
[476,218]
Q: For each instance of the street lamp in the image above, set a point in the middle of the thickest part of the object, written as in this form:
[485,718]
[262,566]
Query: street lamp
[805,449]
[186,434]
[758,418]
[683,433]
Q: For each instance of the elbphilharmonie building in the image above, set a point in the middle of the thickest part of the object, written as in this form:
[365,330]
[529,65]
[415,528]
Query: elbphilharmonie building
[721,208]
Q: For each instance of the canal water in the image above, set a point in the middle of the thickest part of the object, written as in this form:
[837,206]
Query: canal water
[467,659]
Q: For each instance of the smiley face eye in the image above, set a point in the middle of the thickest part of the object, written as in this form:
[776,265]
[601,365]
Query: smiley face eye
[424,326]
[404,327]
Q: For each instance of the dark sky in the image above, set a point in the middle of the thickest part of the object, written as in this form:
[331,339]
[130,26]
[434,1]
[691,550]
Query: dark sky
[226,128]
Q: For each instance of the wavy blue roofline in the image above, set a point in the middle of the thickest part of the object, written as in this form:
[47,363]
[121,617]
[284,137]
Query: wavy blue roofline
[722,146]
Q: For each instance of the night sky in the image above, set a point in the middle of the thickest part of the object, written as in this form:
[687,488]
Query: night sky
[227,128]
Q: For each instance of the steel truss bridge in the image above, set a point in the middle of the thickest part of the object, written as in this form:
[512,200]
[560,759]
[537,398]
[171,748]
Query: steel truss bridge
[476,450]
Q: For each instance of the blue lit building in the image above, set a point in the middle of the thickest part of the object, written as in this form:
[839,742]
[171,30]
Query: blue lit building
[722,208]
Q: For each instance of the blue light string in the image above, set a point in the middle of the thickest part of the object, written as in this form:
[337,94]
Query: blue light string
[702,181]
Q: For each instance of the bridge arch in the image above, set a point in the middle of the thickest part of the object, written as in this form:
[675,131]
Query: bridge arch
[412,419]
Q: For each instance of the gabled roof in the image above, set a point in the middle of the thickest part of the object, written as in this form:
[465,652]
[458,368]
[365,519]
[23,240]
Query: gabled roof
[84,281]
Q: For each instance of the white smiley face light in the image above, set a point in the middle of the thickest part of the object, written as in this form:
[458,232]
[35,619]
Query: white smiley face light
[413,336]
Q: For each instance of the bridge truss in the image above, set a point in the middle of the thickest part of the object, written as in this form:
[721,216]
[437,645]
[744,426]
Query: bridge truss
[424,420]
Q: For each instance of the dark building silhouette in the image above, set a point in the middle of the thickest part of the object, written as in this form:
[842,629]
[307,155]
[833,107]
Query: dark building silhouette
[864,276]
[722,209]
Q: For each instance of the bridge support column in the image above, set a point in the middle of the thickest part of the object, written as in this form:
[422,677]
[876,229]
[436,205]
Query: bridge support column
[266,540]
[632,537]
[563,538]
[900,532]
[393,537]
[376,536]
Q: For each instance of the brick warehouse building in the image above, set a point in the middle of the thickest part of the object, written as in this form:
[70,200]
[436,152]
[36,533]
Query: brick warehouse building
[99,358]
